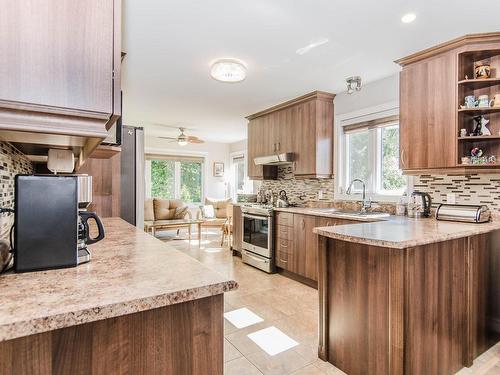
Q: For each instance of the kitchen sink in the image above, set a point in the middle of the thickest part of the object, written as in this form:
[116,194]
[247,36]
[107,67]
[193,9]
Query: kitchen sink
[337,212]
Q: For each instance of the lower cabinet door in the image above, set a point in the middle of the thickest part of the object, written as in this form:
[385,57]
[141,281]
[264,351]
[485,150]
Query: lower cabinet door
[305,250]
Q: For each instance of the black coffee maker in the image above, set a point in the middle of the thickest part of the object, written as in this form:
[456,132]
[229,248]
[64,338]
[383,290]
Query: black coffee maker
[49,230]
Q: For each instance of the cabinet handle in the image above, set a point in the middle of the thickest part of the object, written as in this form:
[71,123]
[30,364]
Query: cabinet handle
[303,224]
[403,162]
[279,146]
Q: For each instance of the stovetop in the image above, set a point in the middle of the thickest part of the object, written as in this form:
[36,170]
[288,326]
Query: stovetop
[257,209]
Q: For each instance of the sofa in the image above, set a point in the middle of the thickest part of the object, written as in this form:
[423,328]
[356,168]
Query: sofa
[163,213]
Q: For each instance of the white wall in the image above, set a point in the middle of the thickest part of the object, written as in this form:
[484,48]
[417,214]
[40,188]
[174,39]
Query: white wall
[373,94]
[214,187]
[238,146]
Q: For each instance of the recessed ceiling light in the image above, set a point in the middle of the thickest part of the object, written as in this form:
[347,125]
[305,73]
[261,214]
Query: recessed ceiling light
[408,18]
[228,70]
[314,44]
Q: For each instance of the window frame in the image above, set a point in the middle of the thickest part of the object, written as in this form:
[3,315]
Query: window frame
[177,174]
[232,156]
[375,143]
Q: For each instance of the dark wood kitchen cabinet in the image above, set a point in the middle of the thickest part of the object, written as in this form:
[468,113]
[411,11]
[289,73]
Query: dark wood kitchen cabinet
[414,310]
[305,254]
[303,126]
[297,246]
[433,86]
[60,72]
[427,114]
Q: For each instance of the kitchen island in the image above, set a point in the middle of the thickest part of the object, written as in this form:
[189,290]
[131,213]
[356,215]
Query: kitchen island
[405,296]
[139,307]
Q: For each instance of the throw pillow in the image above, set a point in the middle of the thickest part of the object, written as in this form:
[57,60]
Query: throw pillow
[207,211]
[180,212]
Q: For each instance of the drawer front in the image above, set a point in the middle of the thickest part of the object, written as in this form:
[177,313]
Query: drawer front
[283,253]
[284,218]
[284,232]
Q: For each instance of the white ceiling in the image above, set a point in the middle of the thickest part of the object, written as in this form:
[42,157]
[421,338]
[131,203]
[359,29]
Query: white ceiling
[170,46]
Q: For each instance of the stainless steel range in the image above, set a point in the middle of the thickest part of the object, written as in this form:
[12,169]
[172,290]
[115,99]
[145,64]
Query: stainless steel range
[258,247]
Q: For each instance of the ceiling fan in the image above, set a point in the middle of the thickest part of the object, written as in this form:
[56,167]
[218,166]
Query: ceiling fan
[183,139]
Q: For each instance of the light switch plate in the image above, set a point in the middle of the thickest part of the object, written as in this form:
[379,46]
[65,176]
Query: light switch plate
[451,198]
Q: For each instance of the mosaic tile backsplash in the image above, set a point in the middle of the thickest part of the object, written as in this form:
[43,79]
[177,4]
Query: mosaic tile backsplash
[12,162]
[469,189]
[300,191]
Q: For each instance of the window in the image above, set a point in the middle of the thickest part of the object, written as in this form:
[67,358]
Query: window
[174,178]
[240,180]
[371,153]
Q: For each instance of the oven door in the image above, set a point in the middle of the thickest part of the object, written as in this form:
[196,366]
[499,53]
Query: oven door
[257,236]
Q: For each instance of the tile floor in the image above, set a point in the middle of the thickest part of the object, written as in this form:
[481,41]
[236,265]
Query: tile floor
[282,303]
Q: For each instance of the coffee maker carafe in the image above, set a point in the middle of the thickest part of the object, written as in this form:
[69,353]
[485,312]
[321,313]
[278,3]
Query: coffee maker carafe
[84,237]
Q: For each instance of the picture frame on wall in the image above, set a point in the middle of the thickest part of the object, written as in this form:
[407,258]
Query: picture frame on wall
[218,169]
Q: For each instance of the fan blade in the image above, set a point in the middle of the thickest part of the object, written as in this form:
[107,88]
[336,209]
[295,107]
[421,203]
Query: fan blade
[170,138]
[193,139]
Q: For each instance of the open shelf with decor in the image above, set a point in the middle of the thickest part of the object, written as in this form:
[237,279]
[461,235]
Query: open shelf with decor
[478,117]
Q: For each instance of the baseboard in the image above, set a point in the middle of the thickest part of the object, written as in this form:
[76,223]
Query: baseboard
[493,324]
[300,279]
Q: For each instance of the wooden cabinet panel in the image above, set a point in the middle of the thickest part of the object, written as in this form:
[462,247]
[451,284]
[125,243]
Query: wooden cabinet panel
[304,140]
[284,232]
[305,250]
[428,113]
[106,187]
[284,254]
[255,147]
[284,218]
[58,53]
[303,126]
[237,228]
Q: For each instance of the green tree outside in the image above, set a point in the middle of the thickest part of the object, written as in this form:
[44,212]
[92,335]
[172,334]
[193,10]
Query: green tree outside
[163,180]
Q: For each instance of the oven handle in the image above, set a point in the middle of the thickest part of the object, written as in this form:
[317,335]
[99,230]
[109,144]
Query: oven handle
[256,217]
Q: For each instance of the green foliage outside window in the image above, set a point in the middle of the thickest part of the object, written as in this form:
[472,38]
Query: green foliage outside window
[162,179]
[358,156]
[191,181]
[392,177]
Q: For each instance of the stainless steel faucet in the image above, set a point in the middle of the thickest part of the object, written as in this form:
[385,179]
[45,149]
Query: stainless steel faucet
[367,203]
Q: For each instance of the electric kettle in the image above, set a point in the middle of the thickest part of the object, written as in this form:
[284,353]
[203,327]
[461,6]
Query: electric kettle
[419,205]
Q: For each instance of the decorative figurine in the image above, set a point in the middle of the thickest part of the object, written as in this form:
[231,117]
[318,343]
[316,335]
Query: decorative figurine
[480,127]
[482,70]
[476,152]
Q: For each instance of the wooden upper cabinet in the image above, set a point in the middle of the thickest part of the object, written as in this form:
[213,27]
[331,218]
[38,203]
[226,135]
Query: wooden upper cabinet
[58,54]
[427,113]
[433,85]
[255,147]
[303,126]
[60,73]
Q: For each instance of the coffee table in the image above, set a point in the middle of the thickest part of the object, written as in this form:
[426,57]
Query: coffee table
[175,224]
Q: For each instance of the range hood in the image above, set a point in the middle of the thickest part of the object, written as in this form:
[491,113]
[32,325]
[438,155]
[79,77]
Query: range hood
[277,159]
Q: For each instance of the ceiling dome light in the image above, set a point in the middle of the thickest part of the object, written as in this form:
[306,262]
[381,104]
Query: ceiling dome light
[408,18]
[228,70]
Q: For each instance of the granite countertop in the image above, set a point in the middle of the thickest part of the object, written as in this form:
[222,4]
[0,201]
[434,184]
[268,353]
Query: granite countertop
[130,271]
[403,232]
